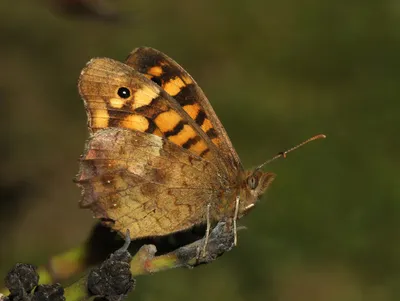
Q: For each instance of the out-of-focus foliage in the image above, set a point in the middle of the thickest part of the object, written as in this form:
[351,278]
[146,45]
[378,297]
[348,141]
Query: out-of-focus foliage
[276,73]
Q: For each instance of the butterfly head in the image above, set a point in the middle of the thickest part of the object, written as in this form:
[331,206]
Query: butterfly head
[254,184]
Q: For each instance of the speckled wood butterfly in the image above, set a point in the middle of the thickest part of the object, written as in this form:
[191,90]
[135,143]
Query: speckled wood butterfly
[158,159]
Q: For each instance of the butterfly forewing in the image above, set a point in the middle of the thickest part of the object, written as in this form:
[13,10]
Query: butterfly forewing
[116,95]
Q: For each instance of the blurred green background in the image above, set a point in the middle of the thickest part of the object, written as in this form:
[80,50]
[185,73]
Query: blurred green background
[276,73]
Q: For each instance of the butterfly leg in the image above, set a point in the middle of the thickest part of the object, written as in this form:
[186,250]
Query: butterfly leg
[208,229]
[235,217]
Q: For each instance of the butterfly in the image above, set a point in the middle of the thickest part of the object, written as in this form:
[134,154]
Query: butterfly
[158,159]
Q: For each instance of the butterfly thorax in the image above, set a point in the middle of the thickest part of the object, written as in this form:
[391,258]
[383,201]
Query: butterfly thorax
[249,186]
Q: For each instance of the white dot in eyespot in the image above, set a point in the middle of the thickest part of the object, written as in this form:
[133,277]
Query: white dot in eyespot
[124,92]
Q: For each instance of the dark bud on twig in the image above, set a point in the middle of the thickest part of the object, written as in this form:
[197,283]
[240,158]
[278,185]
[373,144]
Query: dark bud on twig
[113,279]
[49,292]
[21,280]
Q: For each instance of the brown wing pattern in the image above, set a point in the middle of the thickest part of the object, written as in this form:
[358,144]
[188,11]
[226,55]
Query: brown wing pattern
[181,86]
[134,180]
[116,95]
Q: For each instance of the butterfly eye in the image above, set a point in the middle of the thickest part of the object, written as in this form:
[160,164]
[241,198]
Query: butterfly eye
[124,92]
[252,182]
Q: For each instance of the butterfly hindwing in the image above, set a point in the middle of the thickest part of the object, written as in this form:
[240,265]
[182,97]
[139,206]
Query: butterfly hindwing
[135,181]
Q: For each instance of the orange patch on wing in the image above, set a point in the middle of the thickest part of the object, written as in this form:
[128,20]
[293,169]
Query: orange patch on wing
[135,122]
[206,125]
[144,96]
[183,136]
[99,118]
[175,85]
[117,103]
[167,121]
[199,147]
[187,80]
[155,71]
[192,110]
[216,141]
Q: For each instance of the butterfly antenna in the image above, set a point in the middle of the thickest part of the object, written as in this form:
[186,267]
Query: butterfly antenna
[284,154]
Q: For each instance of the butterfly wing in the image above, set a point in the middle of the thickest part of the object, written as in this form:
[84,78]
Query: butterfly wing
[115,95]
[181,86]
[145,183]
